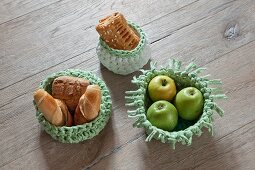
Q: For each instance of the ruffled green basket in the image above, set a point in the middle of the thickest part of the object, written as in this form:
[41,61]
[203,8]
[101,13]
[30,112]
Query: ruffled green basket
[183,78]
[83,132]
[123,61]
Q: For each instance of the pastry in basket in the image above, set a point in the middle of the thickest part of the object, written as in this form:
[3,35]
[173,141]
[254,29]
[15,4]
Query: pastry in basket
[54,110]
[116,32]
[89,105]
[69,89]
[54,115]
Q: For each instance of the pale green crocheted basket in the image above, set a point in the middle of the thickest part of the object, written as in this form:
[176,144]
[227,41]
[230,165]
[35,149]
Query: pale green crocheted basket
[123,61]
[183,78]
[83,132]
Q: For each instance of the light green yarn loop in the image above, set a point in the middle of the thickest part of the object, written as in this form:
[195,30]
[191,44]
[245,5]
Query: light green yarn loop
[76,134]
[187,77]
[190,67]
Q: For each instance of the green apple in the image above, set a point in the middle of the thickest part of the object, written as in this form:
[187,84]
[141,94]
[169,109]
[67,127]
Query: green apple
[189,103]
[162,88]
[163,115]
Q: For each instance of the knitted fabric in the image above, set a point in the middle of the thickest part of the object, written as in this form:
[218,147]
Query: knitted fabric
[123,61]
[83,132]
[183,78]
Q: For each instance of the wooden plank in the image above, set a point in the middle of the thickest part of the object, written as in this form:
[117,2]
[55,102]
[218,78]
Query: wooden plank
[233,143]
[61,31]
[240,90]
[12,92]
[233,151]
[121,122]
[208,35]
[11,9]
[196,12]
[9,114]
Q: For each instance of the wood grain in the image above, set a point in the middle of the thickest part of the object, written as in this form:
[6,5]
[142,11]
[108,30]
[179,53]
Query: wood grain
[234,151]
[11,9]
[204,40]
[58,33]
[228,142]
[216,34]
[219,24]
[9,115]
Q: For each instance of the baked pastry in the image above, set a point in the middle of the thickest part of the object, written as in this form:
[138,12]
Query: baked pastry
[79,119]
[116,32]
[65,111]
[89,105]
[69,89]
[54,110]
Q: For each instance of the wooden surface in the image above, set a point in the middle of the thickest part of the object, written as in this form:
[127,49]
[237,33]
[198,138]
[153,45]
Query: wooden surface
[39,37]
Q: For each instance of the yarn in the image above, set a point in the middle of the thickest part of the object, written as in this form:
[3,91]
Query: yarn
[76,134]
[184,131]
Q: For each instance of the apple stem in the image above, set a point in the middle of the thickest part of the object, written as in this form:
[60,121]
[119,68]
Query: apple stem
[164,82]
[191,92]
[160,106]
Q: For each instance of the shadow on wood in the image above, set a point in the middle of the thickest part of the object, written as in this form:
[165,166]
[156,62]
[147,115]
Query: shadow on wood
[59,155]
[113,80]
[202,152]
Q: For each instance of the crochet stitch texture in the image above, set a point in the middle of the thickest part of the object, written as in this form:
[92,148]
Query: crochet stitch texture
[83,132]
[188,77]
[123,61]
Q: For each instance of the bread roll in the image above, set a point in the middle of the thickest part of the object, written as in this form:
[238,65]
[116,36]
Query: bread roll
[49,107]
[79,119]
[69,89]
[65,111]
[89,105]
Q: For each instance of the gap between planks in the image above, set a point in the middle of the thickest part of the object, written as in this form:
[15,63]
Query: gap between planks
[155,41]
[140,135]
[158,39]
[100,158]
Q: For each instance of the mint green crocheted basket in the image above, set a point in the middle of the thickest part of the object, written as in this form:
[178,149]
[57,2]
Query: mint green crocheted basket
[83,132]
[123,61]
[183,78]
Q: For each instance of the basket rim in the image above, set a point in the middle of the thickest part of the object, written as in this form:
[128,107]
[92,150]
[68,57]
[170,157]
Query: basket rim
[127,53]
[106,104]
[135,98]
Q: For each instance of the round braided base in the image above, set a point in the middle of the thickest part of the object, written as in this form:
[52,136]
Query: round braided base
[83,132]
[122,61]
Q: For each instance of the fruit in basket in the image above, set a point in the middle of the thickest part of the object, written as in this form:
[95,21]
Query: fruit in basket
[189,103]
[162,88]
[163,115]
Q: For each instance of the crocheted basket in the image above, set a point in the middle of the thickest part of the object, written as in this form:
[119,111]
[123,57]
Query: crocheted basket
[122,61]
[83,132]
[188,77]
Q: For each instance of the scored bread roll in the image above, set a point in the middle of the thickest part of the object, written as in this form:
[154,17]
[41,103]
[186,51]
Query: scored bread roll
[89,105]
[116,32]
[79,119]
[49,107]
[65,112]
[69,89]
